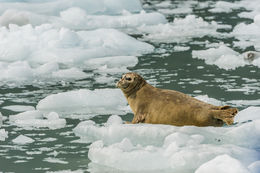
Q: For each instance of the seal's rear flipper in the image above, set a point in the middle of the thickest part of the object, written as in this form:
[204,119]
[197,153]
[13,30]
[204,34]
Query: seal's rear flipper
[226,114]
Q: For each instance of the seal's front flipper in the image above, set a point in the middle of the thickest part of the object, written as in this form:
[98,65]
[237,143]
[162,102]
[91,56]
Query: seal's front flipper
[226,114]
[139,118]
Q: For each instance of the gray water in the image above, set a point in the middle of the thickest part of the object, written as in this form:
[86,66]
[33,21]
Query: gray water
[177,70]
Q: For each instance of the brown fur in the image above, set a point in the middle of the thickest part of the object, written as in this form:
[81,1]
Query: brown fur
[159,106]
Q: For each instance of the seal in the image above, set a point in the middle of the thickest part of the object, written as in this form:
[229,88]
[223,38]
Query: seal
[160,106]
[250,56]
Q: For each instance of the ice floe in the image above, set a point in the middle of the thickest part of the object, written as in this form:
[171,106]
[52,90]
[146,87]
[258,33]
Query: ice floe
[53,8]
[78,16]
[3,134]
[22,140]
[44,44]
[248,34]
[116,64]
[85,102]
[224,7]
[19,108]
[146,147]
[29,53]
[182,30]
[36,119]
[223,56]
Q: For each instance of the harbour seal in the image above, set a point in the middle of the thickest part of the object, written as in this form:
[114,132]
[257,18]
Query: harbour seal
[159,106]
[250,56]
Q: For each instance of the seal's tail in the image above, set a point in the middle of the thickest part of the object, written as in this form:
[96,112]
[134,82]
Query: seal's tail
[226,114]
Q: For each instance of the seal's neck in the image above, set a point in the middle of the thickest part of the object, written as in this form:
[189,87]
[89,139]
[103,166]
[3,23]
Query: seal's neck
[131,92]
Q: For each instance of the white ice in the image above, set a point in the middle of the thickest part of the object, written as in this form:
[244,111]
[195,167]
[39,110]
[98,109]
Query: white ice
[224,7]
[22,140]
[55,160]
[116,64]
[36,119]
[1,119]
[181,30]
[19,108]
[222,164]
[223,56]
[85,102]
[28,53]
[248,34]
[146,147]
[89,6]
[3,134]
[207,99]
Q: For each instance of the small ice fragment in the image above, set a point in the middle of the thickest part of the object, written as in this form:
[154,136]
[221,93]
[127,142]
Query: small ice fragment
[21,139]
[19,108]
[3,134]
[113,120]
[1,119]
[55,160]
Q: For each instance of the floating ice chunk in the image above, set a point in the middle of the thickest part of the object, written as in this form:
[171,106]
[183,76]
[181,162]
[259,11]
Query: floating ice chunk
[76,18]
[91,7]
[250,113]
[222,164]
[72,73]
[252,8]
[248,34]
[164,147]
[223,56]
[99,101]
[112,64]
[3,134]
[137,160]
[114,131]
[47,68]
[44,44]
[33,114]
[22,140]
[245,102]
[12,16]
[181,30]
[1,119]
[114,120]
[224,7]
[127,157]
[35,119]
[19,70]
[207,99]
[257,20]
[22,71]
[55,160]
[179,10]
[254,167]
[19,108]
[181,48]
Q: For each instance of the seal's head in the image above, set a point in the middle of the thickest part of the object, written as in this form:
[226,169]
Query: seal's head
[130,83]
[249,56]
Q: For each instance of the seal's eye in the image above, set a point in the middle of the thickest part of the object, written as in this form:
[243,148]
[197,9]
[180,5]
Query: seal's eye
[128,78]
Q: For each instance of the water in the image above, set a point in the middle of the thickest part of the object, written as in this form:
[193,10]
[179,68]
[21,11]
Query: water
[55,150]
